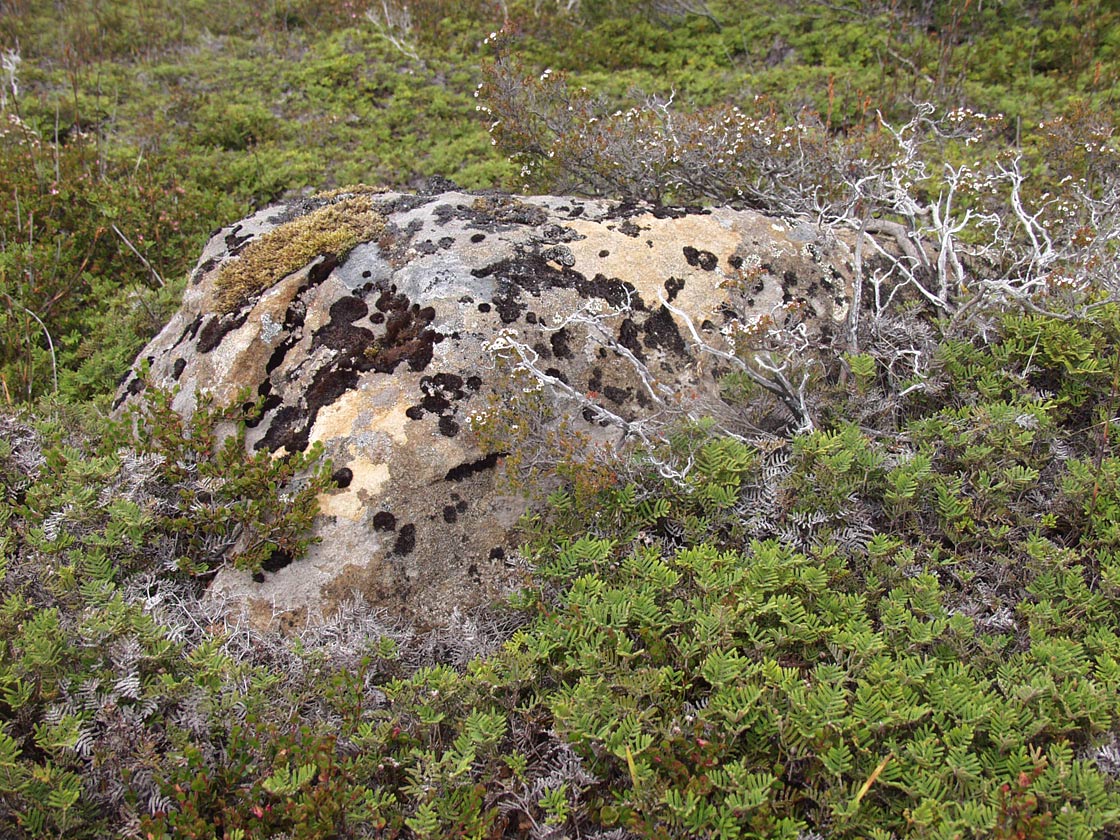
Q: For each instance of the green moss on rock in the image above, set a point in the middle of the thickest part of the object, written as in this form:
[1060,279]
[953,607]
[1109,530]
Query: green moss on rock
[333,229]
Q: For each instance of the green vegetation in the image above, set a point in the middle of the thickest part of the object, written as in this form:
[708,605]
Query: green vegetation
[888,610]
[854,632]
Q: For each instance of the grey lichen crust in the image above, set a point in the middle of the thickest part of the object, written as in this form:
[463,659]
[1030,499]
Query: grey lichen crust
[370,334]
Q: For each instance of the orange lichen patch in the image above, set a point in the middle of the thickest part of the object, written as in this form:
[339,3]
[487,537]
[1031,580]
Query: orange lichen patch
[333,229]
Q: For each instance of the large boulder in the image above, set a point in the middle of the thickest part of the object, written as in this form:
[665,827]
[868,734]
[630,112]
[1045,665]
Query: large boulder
[382,354]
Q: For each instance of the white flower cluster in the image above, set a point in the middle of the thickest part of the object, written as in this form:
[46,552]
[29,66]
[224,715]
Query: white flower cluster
[478,420]
[26,135]
[735,329]
[959,115]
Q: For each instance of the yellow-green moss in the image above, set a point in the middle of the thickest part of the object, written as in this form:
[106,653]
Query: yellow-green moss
[334,229]
[351,190]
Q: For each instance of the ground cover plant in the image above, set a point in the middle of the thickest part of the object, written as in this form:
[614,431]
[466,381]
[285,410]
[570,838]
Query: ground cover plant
[850,633]
[873,595]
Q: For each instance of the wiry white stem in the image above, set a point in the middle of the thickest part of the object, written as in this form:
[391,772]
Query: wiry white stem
[774,380]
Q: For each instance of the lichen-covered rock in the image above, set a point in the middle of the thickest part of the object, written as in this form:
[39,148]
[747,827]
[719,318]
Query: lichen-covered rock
[381,354]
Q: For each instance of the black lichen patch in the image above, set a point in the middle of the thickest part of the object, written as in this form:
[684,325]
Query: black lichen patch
[426,247]
[450,515]
[280,353]
[406,540]
[619,396]
[556,373]
[178,368]
[444,213]
[340,334]
[408,335]
[789,284]
[135,386]
[604,254]
[271,401]
[474,383]
[662,212]
[705,260]
[618,293]
[508,306]
[348,309]
[441,392]
[342,477]
[435,403]
[190,330]
[234,242]
[202,270]
[630,337]
[661,332]
[629,229]
[497,553]
[478,237]
[384,521]
[560,343]
[293,320]
[531,273]
[291,427]
[506,210]
[559,233]
[283,431]
[595,380]
[437,184]
[322,270]
[218,327]
[735,261]
[673,287]
[560,254]
[468,468]
[449,385]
